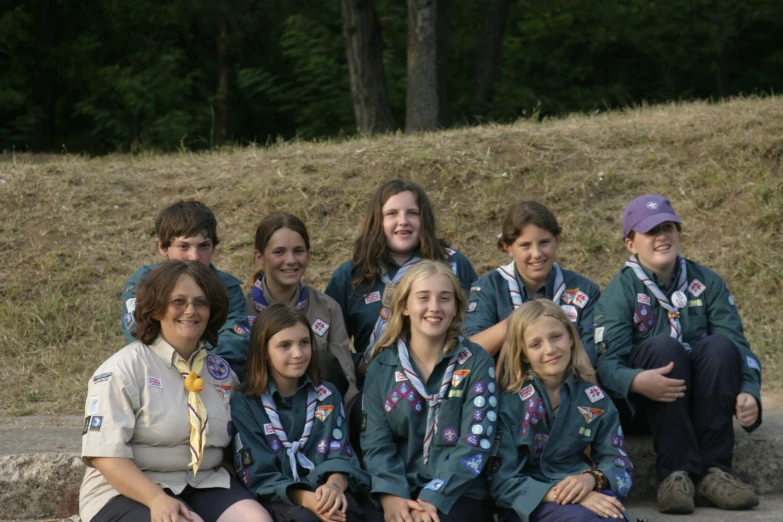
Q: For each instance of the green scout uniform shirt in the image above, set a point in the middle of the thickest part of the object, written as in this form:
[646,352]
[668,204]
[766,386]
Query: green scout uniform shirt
[234,335]
[362,306]
[396,423]
[536,452]
[261,461]
[326,321]
[490,303]
[628,314]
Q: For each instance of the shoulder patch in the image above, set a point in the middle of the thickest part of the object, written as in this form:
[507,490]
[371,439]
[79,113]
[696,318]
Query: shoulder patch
[598,335]
[581,299]
[372,297]
[752,363]
[241,329]
[101,378]
[570,311]
[322,392]
[526,392]
[696,288]
[218,367]
[643,298]
[594,393]
[464,355]
[320,327]
[472,305]
[130,304]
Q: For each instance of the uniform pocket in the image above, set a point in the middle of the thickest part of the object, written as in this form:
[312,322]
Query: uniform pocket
[449,423]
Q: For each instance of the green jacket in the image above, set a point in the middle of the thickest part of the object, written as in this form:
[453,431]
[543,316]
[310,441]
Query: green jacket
[627,314]
[395,425]
[234,335]
[261,461]
[536,452]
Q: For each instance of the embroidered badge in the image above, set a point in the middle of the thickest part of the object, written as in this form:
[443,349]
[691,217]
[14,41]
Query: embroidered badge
[154,382]
[571,313]
[320,327]
[399,377]
[594,393]
[269,429]
[493,401]
[580,299]
[241,329]
[472,440]
[450,435]
[492,416]
[590,414]
[275,444]
[218,367]
[372,297]
[464,355]
[491,387]
[237,443]
[491,372]
[322,392]
[130,305]
[128,320]
[752,363]
[478,415]
[340,420]
[230,429]
[363,426]
[643,298]
[479,402]
[337,434]
[694,303]
[434,484]
[485,443]
[568,295]
[335,445]
[475,289]
[731,300]
[458,376]
[474,463]
[477,429]
[237,462]
[472,305]
[322,412]
[101,378]
[526,392]
[223,390]
[94,403]
[455,393]
[540,443]
[384,314]
[598,334]
[247,458]
[96,423]
[86,425]
[244,476]
[696,288]
[644,319]
[585,431]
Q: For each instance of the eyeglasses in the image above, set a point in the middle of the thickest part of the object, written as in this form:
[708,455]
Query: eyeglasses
[182,304]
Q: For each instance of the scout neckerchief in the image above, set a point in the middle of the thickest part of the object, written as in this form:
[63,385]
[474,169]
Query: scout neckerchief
[199,421]
[260,302]
[292,449]
[678,297]
[507,272]
[433,401]
[388,293]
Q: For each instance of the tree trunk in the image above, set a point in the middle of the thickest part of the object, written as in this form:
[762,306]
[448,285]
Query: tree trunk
[363,40]
[490,48]
[222,101]
[422,99]
[43,93]
[443,38]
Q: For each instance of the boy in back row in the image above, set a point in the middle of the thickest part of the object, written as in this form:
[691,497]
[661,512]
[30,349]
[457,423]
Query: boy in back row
[671,348]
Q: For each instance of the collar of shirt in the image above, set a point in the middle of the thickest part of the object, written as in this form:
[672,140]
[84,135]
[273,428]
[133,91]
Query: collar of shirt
[389,357]
[393,266]
[658,280]
[271,300]
[167,353]
[278,397]
[545,291]
[569,385]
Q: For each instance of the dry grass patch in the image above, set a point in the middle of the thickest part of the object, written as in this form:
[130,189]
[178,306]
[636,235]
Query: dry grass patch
[73,229]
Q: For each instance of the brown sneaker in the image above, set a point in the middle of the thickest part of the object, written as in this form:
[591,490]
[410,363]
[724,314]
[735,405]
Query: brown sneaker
[720,489]
[675,494]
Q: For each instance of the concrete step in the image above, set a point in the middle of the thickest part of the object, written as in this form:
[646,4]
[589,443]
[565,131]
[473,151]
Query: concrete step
[40,468]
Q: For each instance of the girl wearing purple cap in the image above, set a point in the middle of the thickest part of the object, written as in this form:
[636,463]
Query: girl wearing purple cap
[670,343]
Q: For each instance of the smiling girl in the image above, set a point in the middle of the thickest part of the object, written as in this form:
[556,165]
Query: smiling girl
[282,251]
[290,448]
[549,414]
[531,237]
[430,407]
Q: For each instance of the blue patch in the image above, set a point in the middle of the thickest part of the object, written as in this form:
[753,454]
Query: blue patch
[335,445]
[275,444]
[752,363]
[477,429]
[230,428]
[490,430]
[493,401]
[479,402]
[485,443]
[322,447]
[472,305]
[218,367]
[644,319]
[479,388]
[237,462]
[450,435]
[478,415]
[434,484]
[96,423]
[492,371]
[337,434]
[247,458]
[540,443]
[128,320]
[474,464]
[244,476]
[491,387]
[472,440]
[340,421]
[492,416]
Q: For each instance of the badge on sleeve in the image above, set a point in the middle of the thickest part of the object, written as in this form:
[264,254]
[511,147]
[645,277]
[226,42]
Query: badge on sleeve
[218,367]
[580,299]
[590,414]
[752,363]
[86,425]
[372,297]
[241,329]
[464,355]
[128,320]
[594,393]
[399,377]
[598,335]
[570,311]
[643,298]
[696,288]
[474,464]
[472,305]
[435,484]
[322,412]
[96,401]
[526,392]
[96,423]
[130,305]
[269,429]
[322,392]
[320,327]
[458,376]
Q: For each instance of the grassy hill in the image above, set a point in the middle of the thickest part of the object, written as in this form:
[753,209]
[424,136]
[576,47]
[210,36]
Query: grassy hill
[72,229]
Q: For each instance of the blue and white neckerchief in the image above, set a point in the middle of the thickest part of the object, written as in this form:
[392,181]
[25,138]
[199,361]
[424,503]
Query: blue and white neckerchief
[383,317]
[260,302]
[674,311]
[433,401]
[508,273]
[292,449]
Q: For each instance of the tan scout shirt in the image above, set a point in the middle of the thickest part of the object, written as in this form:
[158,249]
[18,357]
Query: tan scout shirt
[326,321]
[137,408]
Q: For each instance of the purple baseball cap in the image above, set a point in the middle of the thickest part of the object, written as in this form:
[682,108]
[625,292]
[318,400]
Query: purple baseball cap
[647,212]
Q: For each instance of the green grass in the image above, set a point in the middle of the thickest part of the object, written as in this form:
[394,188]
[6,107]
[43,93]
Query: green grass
[72,229]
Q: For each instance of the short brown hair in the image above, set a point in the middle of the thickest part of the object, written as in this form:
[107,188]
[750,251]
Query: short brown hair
[523,214]
[269,322]
[185,218]
[155,290]
[369,251]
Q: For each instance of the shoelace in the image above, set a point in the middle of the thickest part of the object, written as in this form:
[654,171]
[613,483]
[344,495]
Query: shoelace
[677,479]
[727,477]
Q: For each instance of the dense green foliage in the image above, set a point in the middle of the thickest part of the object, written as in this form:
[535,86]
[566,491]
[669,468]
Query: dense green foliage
[109,76]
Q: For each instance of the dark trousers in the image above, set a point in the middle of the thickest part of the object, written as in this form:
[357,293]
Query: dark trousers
[554,512]
[695,432]
[282,512]
[465,509]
